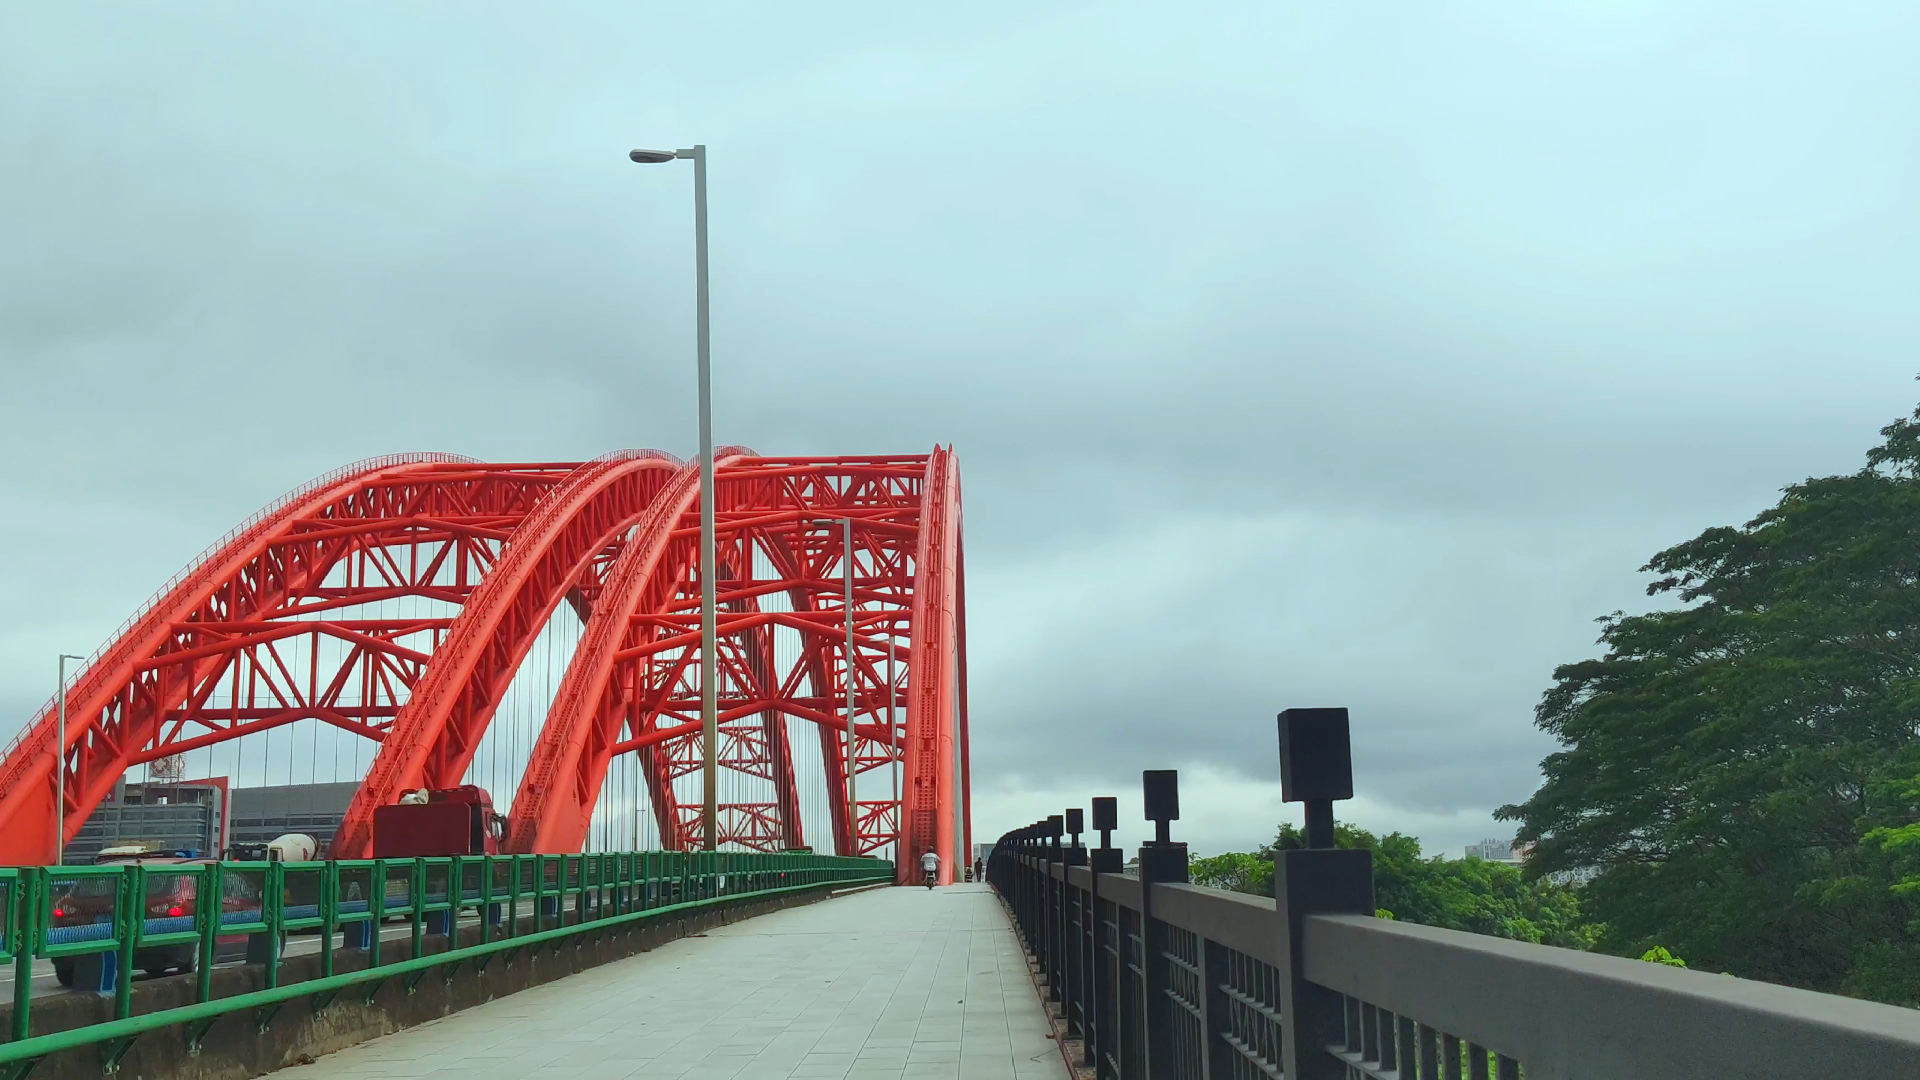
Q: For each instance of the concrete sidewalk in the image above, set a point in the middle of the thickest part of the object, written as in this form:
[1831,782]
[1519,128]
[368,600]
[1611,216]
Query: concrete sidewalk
[897,982]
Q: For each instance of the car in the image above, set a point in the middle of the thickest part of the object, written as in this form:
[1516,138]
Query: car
[90,899]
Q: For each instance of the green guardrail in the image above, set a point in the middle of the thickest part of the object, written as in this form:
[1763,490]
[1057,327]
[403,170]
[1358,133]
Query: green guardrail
[566,895]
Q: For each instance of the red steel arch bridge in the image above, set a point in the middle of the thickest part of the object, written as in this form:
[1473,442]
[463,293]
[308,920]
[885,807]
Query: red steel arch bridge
[432,620]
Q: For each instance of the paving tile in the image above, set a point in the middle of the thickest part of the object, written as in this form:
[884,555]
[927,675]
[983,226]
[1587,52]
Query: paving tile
[892,984]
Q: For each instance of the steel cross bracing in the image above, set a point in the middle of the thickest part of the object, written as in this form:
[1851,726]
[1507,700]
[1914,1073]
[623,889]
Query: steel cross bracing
[291,618]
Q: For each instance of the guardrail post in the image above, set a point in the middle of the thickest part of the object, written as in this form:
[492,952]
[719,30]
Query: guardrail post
[443,922]
[1105,859]
[23,902]
[265,949]
[133,915]
[99,972]
[1073,990]
[1030,904]
[360,934]
[1162,861]
[1051,894]
[1316,768]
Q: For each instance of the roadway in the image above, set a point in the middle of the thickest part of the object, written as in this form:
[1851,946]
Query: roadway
[885,983]
[45,984]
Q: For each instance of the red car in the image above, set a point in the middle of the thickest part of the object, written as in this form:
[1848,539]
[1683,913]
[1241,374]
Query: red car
[90,900]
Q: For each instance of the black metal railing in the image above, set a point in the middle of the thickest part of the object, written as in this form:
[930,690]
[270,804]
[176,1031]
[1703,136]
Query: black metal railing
[1159,979]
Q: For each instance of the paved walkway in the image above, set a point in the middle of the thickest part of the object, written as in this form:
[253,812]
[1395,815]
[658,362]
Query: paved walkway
[897,982]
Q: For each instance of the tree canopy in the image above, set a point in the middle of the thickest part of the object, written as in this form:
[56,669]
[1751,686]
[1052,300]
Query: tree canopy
[1743,769]
[1459,894]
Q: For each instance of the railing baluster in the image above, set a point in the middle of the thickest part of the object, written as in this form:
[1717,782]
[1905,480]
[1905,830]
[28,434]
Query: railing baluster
[23,922]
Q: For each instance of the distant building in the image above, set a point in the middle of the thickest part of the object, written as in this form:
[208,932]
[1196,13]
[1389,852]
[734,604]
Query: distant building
[182,816]
[1579,875]
[262,814]
[204,816]
[1500,851]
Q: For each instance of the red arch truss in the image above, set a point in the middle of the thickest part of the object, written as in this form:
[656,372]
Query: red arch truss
[554,550]
[231,646]
[632,686]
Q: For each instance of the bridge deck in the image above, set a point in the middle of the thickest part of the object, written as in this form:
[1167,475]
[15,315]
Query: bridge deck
[898,982]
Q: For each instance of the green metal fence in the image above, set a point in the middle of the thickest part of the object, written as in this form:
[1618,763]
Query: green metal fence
[560,896]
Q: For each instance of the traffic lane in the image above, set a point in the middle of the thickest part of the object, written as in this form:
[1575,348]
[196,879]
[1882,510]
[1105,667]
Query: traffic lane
[46,984]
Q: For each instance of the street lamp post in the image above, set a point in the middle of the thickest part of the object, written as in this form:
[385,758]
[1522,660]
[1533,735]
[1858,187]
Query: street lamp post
[60,767]
[893,744]
[853,807]
[709,721]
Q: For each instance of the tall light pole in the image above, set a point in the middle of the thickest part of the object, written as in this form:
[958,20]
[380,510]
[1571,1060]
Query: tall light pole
[853,807]
[893,745]
[60,767]
[709,718]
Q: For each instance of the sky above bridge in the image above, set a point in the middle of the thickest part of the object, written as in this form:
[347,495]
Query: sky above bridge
[1296,354]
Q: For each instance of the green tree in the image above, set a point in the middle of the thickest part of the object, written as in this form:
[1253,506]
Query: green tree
[1659,955]
[1744,769]
[1470,894]
[1235,871]
[1460,894]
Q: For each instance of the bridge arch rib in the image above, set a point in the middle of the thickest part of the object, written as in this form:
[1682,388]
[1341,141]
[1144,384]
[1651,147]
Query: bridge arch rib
[629,687]
[554,805]
[233,646]
[437,731]
[206,660]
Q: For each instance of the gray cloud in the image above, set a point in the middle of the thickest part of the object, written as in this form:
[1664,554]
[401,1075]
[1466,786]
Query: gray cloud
[1292,354]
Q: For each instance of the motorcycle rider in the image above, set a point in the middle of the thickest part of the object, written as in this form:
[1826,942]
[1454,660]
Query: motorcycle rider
[930,863]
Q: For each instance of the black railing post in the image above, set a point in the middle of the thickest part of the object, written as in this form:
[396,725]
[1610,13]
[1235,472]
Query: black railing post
[1028,883]
[1036,891]
[1037,897]
[1050,907]
[1073,917]
[1161,862]
[1019,897]
[1316,768]
[1102,1006]
[1008,870]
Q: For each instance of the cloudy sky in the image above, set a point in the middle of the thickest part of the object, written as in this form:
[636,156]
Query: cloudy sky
[1296,354]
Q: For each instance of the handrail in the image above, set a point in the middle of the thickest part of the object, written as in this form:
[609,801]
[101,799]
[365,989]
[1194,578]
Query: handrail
[1159,979]
[1595,1015]
[609,890]
[1555,1011]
